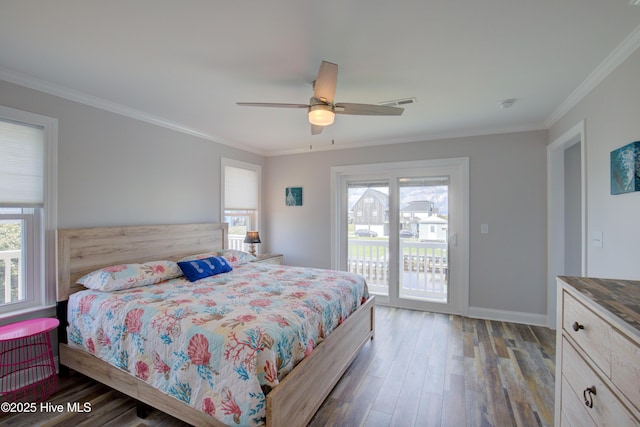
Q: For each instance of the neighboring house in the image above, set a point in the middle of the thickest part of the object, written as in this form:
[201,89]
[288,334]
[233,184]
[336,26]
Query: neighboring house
[433,228]
[415,211]
[371,211]
[418,208]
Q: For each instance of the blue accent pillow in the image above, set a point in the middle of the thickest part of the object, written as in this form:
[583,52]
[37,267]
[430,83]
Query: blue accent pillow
[197,269]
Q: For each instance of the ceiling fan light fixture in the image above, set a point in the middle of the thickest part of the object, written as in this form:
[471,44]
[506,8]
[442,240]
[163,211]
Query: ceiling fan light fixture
[322,109]
[321,115]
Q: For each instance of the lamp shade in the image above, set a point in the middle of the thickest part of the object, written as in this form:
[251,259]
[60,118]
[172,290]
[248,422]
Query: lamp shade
[252,237]
[321,115]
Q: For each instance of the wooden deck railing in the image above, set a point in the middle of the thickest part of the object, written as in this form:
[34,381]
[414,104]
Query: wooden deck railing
[236,241]
[424,267]
[11,293]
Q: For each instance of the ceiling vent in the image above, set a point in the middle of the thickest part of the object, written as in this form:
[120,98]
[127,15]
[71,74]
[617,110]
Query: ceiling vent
[400,102]
[507,103]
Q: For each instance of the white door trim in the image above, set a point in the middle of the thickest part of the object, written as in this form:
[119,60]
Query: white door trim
[339,209]
[556,209]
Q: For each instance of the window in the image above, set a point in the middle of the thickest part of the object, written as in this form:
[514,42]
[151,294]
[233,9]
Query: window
[27,209]
[241,187]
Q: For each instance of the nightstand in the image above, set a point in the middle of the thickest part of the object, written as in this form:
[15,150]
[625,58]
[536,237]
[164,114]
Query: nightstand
[269,259]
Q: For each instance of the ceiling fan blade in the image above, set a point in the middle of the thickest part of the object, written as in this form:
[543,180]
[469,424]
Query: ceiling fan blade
[367,109]
[316,130]
[271,104]
[324,88]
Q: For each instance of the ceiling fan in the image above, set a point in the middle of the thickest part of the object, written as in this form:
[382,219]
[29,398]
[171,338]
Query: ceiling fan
[322,108]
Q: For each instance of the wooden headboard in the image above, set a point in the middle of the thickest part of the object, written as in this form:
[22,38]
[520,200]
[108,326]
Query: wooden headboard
[83,250]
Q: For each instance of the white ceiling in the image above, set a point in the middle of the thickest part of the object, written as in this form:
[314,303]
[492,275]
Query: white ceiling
[185,64]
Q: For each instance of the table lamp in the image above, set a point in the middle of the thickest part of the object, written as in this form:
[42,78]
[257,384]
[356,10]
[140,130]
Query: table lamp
[252,237]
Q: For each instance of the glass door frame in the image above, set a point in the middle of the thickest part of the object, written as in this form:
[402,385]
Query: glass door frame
[458,171]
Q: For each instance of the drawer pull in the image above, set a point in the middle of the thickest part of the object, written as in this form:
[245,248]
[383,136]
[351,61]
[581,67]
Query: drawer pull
[577,326]
[588,394]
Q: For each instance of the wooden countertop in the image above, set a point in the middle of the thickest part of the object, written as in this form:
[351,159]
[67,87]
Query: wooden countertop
[620,297]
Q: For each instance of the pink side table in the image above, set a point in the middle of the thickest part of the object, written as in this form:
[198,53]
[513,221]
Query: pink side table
[27,370]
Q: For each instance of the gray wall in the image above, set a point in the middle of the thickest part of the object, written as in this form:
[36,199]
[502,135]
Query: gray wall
[114,170]
[611,113]
[507,191]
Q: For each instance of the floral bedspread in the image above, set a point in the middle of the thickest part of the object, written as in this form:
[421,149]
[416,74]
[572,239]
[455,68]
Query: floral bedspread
[221,343]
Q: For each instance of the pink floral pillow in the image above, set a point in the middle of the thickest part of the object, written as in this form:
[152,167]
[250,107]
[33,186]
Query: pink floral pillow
[236,258]
[125,276]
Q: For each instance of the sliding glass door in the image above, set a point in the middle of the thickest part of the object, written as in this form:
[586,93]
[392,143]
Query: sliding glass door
[368,232]
[423,249]
[400,225]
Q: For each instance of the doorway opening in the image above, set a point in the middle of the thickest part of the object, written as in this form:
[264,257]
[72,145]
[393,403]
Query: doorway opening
[565,207]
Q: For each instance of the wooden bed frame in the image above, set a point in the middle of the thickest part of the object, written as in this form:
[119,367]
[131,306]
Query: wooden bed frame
[292,403]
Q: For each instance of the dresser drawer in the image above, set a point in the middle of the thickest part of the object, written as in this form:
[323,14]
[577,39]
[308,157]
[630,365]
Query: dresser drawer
[573,410]
[593,335]
[578,376]
[625,369]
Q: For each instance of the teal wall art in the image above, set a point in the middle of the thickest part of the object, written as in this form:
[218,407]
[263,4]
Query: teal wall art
[625,169]
[293,196]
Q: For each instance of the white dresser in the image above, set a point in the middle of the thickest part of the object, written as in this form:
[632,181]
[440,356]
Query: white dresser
[598,353]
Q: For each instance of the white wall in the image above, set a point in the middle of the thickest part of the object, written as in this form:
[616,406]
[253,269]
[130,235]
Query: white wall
[611,113]
[507,191]
[113,170]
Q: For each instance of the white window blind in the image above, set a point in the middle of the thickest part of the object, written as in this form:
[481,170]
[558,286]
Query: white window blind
[21,165]
[240,188]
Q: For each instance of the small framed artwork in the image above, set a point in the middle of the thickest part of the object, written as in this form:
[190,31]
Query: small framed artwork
[293,196]
[625,169]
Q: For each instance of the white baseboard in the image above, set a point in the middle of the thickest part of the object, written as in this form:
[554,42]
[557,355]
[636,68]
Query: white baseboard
[491,314]
[508,316]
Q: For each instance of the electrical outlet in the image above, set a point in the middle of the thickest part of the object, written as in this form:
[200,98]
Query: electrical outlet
[596,239]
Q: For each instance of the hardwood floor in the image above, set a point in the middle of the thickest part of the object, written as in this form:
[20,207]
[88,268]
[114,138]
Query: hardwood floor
[422,369]
[426,369]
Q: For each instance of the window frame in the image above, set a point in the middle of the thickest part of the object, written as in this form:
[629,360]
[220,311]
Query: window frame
[39,228]
[254,216]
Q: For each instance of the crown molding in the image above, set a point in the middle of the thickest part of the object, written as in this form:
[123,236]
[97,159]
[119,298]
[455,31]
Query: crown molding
[408,140]
[611,62]
[93,101]
[628,46]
